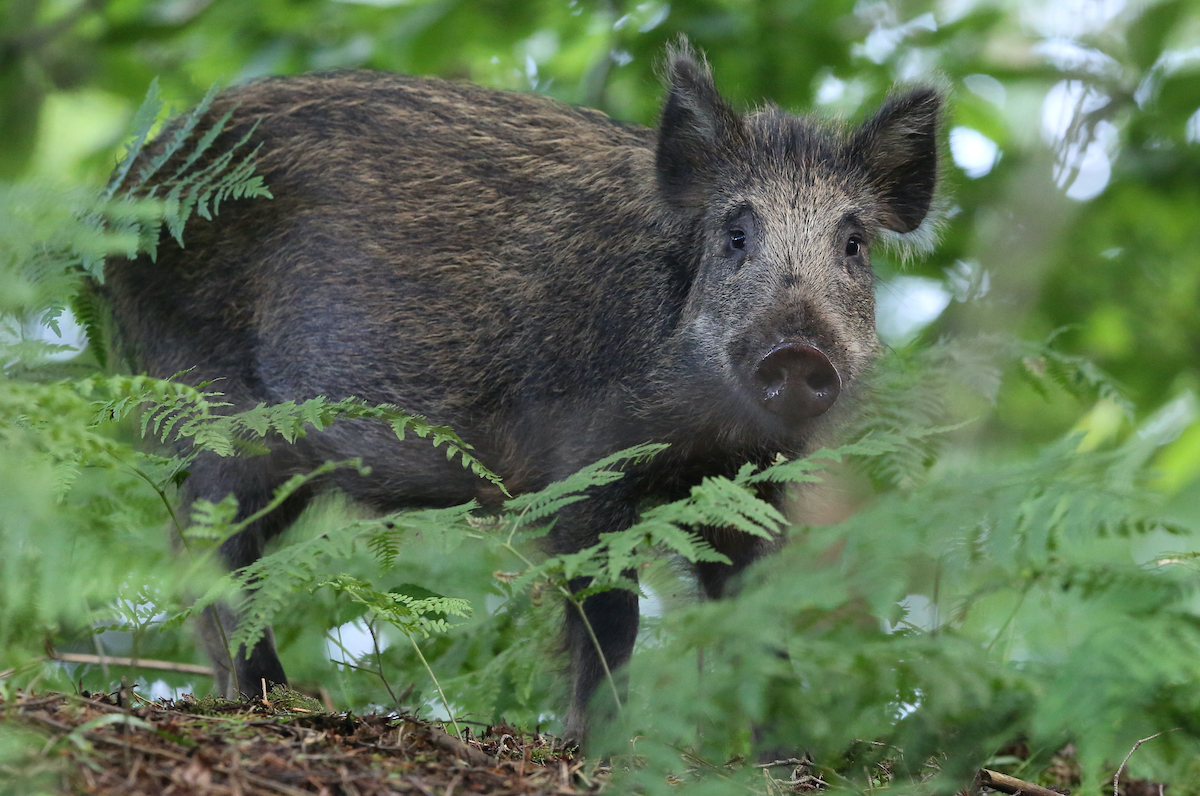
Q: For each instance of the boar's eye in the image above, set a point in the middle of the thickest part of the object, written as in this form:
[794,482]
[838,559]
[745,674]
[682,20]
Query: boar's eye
[853,246]
[737,238]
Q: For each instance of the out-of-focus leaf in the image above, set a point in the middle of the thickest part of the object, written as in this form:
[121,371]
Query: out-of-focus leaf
[1148,35]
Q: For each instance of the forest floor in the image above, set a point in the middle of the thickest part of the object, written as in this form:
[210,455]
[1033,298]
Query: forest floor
[288,744]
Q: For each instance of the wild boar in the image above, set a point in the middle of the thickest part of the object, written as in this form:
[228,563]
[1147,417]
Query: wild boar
[551,283]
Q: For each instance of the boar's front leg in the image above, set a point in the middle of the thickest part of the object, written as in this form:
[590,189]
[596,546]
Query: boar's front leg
[612,615]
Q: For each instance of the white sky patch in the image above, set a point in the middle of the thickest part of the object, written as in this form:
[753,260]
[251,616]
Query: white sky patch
[919,614]
[651,604]
[882,41]
[920,611]
[1070,56]
[831,89]
[1191,129]
[541,46]
[356,639]
[973,152]
[967,281]
[1169,62]
[537,49]
[905,305]
[647,16]
[987,87]
[492,603]
[1085,156]
[1072,18]
[73,335]
[951,11]
[656,14]
[1063,102]
[843,96]
[161,689]
[1094,168]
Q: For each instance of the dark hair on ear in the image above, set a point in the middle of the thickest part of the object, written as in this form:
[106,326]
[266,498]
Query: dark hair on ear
[897,149]
[697,130]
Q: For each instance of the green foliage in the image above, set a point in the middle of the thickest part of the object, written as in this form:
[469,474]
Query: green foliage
[1038,621]
[412,616]
[1007,545]
[48,236]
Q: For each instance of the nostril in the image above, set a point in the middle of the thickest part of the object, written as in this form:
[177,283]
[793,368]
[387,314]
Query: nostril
[772,375]
[822,376]
[797,381]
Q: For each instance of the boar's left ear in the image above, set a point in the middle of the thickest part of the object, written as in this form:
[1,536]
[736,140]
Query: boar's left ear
[699,130]
[897,147]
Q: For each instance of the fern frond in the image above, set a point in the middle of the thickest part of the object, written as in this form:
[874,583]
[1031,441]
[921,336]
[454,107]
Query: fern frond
[423,616]
[384,535]
[91,315]
[143,120]
[183,131]
[533,507]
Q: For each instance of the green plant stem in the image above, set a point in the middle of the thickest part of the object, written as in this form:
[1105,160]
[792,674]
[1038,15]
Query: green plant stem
[1004,627]
[288,489]
[162,495]
[436,684]
[608,675]
[379,663]
[566,592]
[166,501]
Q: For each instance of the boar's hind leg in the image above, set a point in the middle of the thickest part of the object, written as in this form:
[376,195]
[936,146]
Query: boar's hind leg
[248,480]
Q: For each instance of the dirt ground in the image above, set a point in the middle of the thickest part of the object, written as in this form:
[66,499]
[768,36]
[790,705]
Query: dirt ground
[118,744]
[121,743]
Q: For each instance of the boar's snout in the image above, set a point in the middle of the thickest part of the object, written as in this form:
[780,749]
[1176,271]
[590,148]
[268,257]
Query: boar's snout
[797,381]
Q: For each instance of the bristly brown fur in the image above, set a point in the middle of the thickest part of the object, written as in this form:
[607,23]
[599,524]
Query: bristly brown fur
[551,283]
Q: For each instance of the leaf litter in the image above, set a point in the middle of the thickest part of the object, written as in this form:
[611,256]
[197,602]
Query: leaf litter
[286,744]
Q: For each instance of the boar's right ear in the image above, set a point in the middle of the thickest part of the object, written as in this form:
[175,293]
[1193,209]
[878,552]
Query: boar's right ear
[698,133]
[897,147]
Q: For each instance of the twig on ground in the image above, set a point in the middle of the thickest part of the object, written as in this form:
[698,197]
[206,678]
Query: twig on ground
[134,663]
[1117,776]
[1011,785]
[476,757]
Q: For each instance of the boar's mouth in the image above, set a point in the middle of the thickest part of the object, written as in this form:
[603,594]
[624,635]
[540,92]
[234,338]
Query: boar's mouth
[797,382]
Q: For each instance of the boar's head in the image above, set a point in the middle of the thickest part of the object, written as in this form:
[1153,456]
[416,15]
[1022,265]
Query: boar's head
[782,213]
